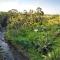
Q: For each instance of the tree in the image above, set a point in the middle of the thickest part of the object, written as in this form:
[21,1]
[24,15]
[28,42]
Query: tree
[39,11]
[24,12]
[13,11]
[30,11]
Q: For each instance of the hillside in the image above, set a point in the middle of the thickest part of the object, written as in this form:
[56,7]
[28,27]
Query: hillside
[35,35]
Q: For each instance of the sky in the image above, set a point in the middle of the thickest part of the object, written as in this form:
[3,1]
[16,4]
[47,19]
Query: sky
[48,6]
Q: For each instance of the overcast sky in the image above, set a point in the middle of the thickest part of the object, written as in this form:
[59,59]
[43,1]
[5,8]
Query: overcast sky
[48,6]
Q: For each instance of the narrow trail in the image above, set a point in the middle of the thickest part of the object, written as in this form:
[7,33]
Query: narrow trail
[8,52]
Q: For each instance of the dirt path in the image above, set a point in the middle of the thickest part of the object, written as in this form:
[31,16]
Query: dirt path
[8,52]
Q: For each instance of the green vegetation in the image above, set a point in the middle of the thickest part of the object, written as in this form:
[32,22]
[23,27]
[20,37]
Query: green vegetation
[33,33]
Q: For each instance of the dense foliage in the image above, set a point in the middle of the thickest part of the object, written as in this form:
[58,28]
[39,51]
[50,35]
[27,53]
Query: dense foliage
[33,33]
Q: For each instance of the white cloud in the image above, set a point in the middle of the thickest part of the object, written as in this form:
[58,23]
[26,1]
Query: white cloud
[7,0]
[6,5]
